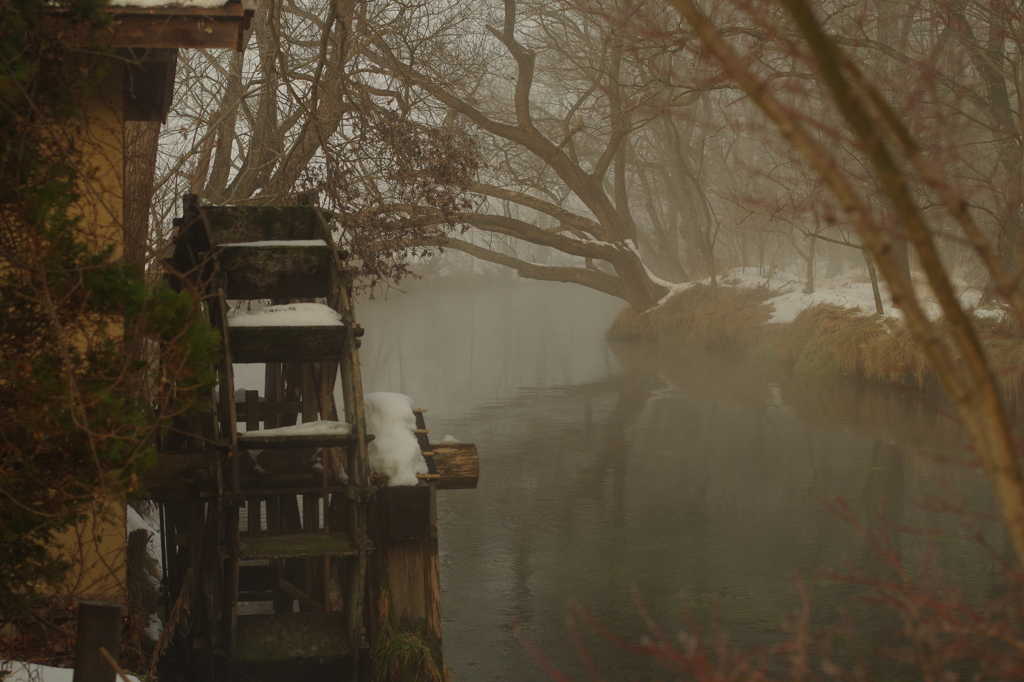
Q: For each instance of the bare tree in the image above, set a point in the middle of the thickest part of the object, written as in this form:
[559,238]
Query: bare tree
[301,111]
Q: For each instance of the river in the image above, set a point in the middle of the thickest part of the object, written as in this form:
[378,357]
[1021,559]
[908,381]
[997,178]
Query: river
[704,484]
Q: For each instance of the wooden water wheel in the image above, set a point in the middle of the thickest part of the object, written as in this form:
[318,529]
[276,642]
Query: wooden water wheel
[264,520]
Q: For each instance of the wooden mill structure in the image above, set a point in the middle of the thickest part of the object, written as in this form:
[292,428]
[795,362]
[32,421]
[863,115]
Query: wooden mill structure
[277,543]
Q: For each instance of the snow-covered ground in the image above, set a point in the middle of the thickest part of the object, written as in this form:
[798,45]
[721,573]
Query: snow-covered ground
[847,291]
[30,672]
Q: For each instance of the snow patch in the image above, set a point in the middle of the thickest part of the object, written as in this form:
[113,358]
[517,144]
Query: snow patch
[844,291]
[989,313]
[450,439]
[394,452]
[288,315]
[136,521]
[307,429]
[31,672]
[155,627]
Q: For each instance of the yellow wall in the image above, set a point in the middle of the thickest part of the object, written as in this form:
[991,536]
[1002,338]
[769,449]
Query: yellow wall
[96,548]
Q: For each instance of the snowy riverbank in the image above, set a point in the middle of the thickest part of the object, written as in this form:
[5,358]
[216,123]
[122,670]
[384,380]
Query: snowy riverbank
[833,331]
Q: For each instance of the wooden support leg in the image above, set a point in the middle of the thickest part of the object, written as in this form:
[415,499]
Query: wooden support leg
[99,625]
[254,523]
[311,524]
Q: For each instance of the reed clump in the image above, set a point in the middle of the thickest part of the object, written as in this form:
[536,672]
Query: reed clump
[702,316]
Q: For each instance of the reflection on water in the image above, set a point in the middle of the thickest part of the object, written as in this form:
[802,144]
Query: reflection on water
[701,481]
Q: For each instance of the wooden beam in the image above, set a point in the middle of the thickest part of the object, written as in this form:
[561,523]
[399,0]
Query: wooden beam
[149,83]
[300,596]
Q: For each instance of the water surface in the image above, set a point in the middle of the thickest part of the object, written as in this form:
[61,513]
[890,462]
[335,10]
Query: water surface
[701,483]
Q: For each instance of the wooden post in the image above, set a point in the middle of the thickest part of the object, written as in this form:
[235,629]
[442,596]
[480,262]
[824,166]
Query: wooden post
[99,625]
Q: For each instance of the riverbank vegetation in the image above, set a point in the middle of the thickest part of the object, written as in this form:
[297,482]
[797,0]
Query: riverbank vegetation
[823,339]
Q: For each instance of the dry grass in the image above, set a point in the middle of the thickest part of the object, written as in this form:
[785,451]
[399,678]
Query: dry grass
[1004,344]
[827,340]
[823,340]
[403,655]
[701,316]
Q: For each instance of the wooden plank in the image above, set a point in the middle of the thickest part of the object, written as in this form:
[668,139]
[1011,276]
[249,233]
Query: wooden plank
[296,546]
[233,224]
[288,636]
[287,344]
[276,271]
[458,464]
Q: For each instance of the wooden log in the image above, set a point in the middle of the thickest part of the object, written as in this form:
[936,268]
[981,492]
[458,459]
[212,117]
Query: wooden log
[458,464]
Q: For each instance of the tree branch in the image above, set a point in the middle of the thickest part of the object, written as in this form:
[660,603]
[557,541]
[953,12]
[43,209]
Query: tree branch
[595,279]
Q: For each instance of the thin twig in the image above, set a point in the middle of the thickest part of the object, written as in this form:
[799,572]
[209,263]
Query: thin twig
[114,665]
